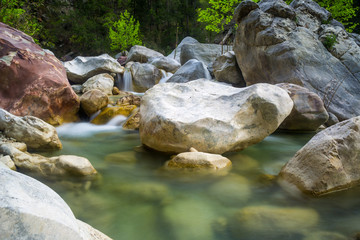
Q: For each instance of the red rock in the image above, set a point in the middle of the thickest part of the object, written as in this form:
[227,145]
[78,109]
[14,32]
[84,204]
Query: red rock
[32,81]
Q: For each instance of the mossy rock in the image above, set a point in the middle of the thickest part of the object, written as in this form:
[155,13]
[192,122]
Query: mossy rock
[110,112]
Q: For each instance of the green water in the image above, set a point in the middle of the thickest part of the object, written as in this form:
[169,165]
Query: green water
[136,199]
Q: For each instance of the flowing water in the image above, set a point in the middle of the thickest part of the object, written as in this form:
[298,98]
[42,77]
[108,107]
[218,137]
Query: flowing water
[136,199]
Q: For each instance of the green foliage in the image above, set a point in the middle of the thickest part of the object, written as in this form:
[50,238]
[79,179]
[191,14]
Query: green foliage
[341,10]
[13,13]
[330,41]
[218,14]
[124,33]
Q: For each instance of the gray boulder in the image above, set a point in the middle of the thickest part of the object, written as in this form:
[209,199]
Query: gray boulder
[226,69]
[205,53]
[165,63]
[175,54]
[308,113]
[141,54]
[210,116]
[144,76]
[191,70]
[328,162]
[81,69]
[278,43]
[31,210]
[103,82]
[33,131]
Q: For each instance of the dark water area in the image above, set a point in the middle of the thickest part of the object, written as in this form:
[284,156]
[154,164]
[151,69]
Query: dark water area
[135,198]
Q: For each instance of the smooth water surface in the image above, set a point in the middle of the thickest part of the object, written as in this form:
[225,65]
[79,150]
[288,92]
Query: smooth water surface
[136,199]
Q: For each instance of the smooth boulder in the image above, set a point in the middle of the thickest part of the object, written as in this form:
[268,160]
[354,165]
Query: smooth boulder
[165,63]
[210,116]
[226,69]
[33,131]
[175,54]
[81,68]
[33,81]
[328,162]
[31,210]
[103,82]
[308,113]
[280,43]
[93,100]
[141,54]
[144,76]
[191,70]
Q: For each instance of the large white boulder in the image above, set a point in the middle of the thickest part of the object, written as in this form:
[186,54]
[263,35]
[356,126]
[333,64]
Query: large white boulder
[210,116]
[31,210]
[33,131]
[80,69]
[328,162]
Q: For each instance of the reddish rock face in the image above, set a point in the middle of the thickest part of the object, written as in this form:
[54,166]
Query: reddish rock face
[32,81]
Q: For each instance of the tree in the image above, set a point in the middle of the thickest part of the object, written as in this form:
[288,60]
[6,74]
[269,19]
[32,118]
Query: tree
[124,33]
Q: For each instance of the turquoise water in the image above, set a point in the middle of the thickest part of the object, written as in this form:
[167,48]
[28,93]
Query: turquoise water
[136,199]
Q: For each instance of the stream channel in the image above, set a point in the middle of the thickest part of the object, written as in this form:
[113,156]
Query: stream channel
[135,198]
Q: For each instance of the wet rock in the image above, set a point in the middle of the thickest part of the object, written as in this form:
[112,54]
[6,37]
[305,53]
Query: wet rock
[233,190]
[205,53]
[226,70]
[81,69]
[144,76]
[110,112]
[271,222]
[141,54]
[33,82]
[121,157]
[175,54]
[271,44]
[129,99]
[133,122]
[53,167]
[103,82]
[199,160]
[78,88]
[210,116]
[93,100]
[33,131]
[189,219]
[7,161]
[165,63]
[308,113]
[116,91]
[31,210]
[328,162]
[191,70]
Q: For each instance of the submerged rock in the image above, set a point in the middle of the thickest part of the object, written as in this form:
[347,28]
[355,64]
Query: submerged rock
[33,81]
[103,82]
[93,100]
[33,131]
[191,70]
[31,210]
[328,162]
[280,43]
[308,113]
[81,69]
[271,222]
[210,116]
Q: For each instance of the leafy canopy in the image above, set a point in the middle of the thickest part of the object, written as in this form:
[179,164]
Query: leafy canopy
[124,32]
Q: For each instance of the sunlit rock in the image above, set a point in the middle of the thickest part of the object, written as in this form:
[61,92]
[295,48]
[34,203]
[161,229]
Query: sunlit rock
[103,82]
[93,100]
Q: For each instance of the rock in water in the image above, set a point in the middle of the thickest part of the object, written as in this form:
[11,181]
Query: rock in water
[328,162]
[31,210]
[308,113]
[210,116]
[33,131]
[144,76]
[33,82]
[279,43]
[82,68]
[103,82]
[93,100]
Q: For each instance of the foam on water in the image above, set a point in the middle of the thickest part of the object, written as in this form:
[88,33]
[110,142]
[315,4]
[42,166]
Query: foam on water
[83,129]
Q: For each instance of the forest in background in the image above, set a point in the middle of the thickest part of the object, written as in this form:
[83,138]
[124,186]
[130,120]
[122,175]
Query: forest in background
[92,27]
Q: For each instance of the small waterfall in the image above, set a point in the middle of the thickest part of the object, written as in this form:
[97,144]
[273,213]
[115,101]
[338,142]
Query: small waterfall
[127,81]
[165,76]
